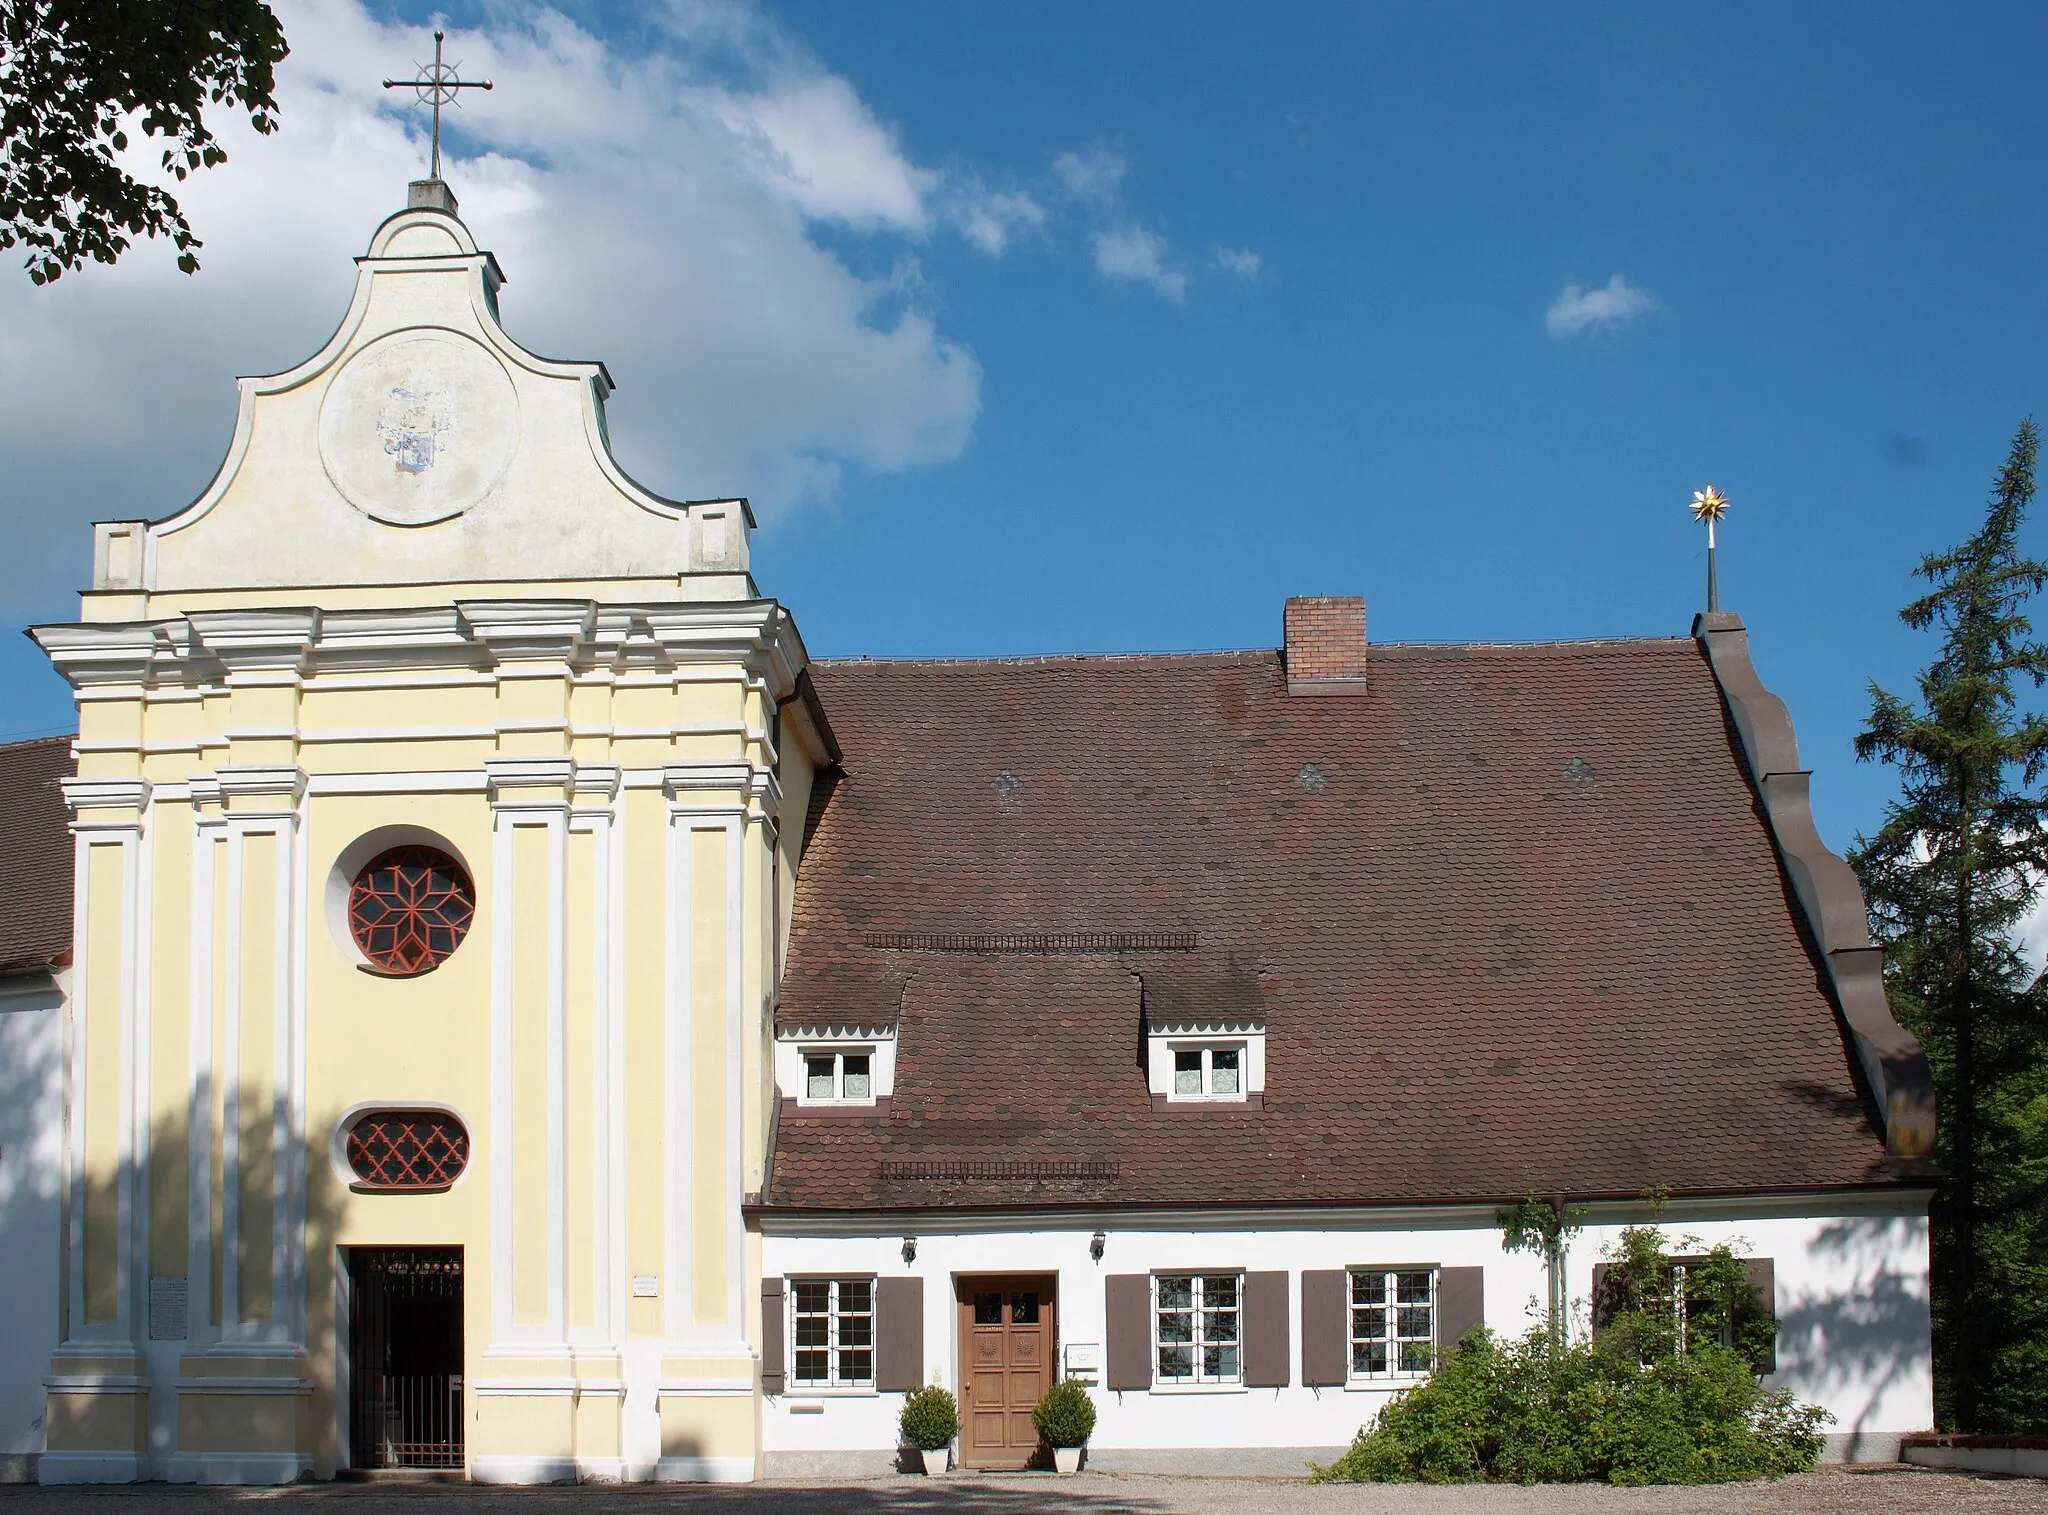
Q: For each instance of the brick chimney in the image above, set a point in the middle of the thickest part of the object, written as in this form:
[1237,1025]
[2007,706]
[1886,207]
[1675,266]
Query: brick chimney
[1326,644]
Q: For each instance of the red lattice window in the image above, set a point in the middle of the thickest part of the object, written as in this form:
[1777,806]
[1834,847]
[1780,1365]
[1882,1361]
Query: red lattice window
[410,908]
[412,1150]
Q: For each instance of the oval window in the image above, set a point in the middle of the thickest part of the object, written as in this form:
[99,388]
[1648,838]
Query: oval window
[406,1151]
[409,908]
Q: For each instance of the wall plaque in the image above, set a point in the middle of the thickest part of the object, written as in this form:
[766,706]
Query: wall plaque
[167,1307]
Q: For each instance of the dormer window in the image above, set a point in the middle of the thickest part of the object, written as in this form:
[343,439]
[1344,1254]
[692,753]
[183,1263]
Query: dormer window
[1208,1072]
[832,1077]
[1206,1061]
[849,1066]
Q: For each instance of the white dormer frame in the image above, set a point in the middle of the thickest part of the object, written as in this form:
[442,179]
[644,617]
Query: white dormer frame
[1165,1038]
[794,1043]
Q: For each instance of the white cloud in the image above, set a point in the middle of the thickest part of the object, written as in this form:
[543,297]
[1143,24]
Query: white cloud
[1578,309]
[1094,173]
[652,206]
[814,141]
[1241,261]
[1094,177]
[1131,252]
[989,218]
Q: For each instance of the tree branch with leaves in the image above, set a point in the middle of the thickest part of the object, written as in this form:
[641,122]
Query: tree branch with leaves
[78,77]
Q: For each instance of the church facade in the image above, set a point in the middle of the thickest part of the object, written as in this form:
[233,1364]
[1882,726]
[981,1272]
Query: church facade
[518,1015]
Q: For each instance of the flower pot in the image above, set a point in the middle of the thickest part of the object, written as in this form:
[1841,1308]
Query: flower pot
[934,1461]
[1067,1459]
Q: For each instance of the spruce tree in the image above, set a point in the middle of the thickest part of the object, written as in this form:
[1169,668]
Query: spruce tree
[1959,861]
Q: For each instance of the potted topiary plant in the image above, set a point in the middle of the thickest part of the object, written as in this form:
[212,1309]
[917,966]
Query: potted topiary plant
[1065,1418]
[929,1422]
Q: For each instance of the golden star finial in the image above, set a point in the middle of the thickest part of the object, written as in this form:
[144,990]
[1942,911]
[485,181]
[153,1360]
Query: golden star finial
[1709,504]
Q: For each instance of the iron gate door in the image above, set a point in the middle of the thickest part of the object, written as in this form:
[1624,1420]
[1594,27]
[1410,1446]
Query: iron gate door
[405,1357]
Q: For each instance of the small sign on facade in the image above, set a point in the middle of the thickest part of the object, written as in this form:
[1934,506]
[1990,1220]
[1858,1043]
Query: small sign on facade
[167,1307]
[1084,1360]
[646,1285]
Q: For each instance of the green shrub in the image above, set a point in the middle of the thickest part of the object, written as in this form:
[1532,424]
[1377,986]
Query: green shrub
[930,1418]
[1648,1400]
[1066,1416]
[1540,1411]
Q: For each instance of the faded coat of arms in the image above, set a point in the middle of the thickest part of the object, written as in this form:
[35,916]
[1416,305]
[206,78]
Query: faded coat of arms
[414,423]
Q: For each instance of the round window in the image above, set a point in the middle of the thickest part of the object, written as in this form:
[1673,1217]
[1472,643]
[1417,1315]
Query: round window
[410,908]
[413,1151]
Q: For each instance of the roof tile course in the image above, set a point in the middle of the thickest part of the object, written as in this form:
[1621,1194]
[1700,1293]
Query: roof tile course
[1513,919]
[35,853]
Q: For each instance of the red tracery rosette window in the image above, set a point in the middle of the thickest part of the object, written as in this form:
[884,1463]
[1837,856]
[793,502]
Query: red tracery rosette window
[409,1151]
[409,908]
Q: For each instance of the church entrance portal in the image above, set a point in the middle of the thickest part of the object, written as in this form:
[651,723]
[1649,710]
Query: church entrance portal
[405,1357]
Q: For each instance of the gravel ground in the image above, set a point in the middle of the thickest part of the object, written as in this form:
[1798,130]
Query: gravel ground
[1886,1491]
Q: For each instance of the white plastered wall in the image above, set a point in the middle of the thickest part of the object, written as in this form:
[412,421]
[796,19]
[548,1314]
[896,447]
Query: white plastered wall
[1851,1284]
[31,1209]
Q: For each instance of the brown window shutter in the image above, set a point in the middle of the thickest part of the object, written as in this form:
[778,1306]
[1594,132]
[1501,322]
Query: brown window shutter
[1265,1331]
[1460,1306]
[899,1334]
[1325,1327]
[1127,1299]
[1762,1276]
[1604,1310]
[773,1325]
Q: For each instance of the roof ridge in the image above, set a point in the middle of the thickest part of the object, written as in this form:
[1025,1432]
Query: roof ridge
[1232,653]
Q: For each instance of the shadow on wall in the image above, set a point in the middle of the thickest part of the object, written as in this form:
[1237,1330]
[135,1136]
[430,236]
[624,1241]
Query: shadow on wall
[161,1200]
[1865,1336]
[31,1212]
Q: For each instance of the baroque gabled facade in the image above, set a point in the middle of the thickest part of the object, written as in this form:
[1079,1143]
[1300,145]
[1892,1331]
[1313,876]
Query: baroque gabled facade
[421,606]
[499,1027]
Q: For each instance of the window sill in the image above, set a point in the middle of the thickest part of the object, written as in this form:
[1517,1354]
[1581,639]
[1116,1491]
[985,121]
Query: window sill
[1198,1388]
[808,1392]
[792,1108]
[1384,1383]
[1256,1100]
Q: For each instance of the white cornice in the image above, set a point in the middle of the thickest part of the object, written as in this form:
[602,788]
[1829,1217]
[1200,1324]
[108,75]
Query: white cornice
[252,640]
[524,630]
[87,654]
[105,794]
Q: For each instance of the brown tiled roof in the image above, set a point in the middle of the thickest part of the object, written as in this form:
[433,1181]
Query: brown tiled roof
[1513,918]
[35,854]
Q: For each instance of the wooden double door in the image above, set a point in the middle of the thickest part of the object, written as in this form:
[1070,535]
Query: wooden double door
[1007,1339]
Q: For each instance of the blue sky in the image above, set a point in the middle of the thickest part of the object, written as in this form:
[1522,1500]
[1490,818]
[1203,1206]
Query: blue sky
[1078,327]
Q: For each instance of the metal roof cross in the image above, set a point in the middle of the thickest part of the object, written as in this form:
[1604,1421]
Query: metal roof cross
[437,86]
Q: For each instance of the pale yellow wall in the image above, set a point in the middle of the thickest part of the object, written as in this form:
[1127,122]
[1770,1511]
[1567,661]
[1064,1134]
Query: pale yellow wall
[371,1039]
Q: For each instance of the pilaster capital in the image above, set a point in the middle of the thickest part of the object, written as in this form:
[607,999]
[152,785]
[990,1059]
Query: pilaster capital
[261,788]
[597,780]
[117,801]
[692,786]
[529,783]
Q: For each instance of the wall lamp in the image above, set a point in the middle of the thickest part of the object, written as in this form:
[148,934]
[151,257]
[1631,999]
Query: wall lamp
[909,1250]
[1095,1244]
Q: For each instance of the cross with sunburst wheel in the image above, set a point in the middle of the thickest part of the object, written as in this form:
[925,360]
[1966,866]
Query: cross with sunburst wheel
[438,84]
[1710,505]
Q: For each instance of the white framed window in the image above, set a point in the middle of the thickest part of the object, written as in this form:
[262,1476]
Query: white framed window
[1196,1319]
[1214,1072]
[1220,1060]
[838,1076]
[832,1333]
[1393,1322]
